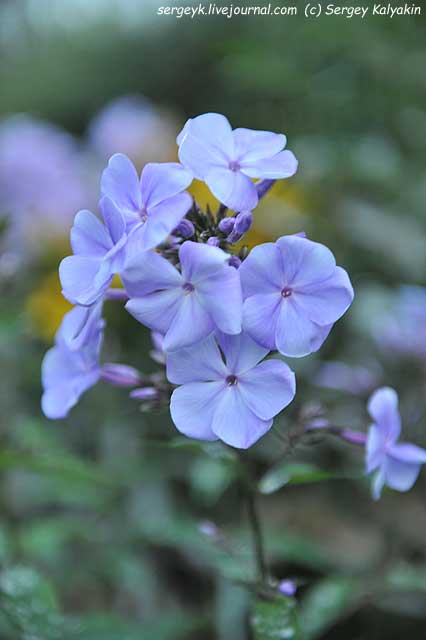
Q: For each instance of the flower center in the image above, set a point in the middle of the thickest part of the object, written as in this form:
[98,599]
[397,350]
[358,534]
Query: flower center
[231,380]
[286,292]
[234,165]
[143,214]
[188,287]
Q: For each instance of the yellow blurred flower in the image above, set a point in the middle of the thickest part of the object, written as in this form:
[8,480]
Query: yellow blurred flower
[46,307]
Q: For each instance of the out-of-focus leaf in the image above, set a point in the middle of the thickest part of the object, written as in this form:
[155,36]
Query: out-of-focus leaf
[273,619]
[407,578]
[299,473]
[231,605]
[210,477]
[325,603]
[109,627]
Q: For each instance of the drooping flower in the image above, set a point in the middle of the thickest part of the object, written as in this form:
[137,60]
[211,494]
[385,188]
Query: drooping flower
[396,464]
[227,159]
[152,206]
[293,292]
[98,254]
[233,399]
[71,367]
[184,306]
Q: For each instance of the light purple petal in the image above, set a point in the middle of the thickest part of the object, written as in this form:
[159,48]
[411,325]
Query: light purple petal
[304,262]
[232,188]
[261,271]
[164,218]
[383,408]
[149,272]
[114,219]
[251,145]
[84,279]
[260,318]
[207,143]
[120,182]
[378,484]
[296,335]
[221,296]
[89,237]
[156,310]
[327,301]
[282,165]
[160,181]
[201,261]
[407,452]
[192,407]
[400,475]
[191,324]
[241,352]
[268,388]
[201,362]
[375,449]
[234,423]
[79,326]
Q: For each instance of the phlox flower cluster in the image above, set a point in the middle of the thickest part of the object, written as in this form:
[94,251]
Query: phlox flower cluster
[216,316]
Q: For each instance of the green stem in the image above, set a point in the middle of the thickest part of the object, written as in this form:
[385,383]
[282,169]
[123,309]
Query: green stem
[256,529]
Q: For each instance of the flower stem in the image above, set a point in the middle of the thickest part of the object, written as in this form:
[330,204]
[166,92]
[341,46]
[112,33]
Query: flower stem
[256,529]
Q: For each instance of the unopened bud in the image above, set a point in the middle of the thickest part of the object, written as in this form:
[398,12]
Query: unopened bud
[185,229]
[213,241]
[287,588]
[121,375]
[234,261]
[226,225]
[144,393]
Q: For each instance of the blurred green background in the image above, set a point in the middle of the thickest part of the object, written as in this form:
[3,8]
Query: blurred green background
[101,521]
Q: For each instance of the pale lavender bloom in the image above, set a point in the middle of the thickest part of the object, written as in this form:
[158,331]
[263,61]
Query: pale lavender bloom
[72,365]
[41,181]
[133,126]
[152,206]
[234,398]
[293,292]
[402,329]
[226,160]
[185,307]
[396,464]
[98,254]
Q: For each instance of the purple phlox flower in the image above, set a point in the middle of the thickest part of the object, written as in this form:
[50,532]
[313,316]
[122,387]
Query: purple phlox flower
[226,160]
[41,180]
[243,222]
[120,375]
[152,206]
[132,125]
[185,306]
[226,394]
[98,254]
[402,328]
[287,588]
[72,365]
[396,464]
[293,293]
[355,379]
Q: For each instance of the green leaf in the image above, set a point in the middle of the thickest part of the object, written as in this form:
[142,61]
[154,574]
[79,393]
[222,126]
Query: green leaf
[325,603]
[298,473]
[275,620]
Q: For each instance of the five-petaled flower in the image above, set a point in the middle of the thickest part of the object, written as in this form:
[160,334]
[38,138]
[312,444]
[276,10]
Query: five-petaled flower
[152,206]
[188,305]
[226,160]
[225,393]
[396,464]
[99,253]
[293,293]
